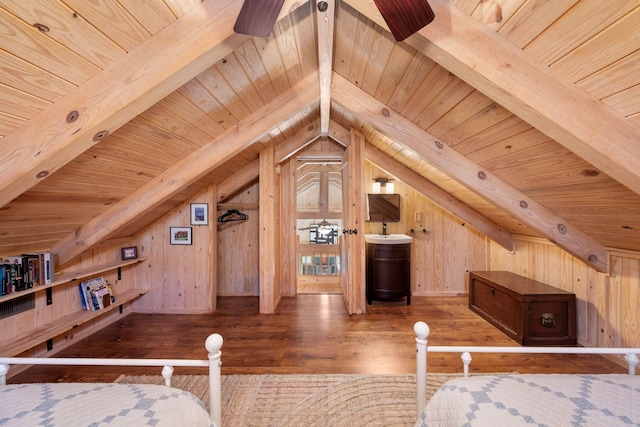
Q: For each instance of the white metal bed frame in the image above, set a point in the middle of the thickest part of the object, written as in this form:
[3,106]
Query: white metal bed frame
[422,330]
[213,344]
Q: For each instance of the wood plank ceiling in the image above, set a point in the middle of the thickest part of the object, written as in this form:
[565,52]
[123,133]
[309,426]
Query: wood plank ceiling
[527,111]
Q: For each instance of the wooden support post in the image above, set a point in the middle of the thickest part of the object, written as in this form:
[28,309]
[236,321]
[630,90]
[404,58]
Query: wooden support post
[354,212]
[289,241]
[270,286]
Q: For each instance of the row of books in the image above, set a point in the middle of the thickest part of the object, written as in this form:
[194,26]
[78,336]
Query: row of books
[22,272]
[96,294]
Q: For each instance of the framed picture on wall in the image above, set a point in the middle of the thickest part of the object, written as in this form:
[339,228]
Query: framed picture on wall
[130,252]
[199,213]
[180,235]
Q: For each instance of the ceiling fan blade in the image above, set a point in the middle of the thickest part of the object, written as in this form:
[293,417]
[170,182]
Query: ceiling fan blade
[257,17]
[405,17]
[311,227]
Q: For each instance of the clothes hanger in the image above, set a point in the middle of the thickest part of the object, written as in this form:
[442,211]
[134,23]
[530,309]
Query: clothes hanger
[233,215]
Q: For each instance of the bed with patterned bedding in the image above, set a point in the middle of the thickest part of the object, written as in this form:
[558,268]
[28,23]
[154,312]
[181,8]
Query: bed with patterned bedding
[96,404]
[111,404]
[535,399]
[527,399]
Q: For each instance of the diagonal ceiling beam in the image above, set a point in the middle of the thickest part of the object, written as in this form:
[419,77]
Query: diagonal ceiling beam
[439,196]
[339,134]
[535,93]
[469,173]
[425,187]
[189,169]
[233,183]
[119,93]
[295,143]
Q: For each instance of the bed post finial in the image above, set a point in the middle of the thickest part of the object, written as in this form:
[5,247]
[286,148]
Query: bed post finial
[421,330]
[167,372]
[466,360]
[213,344]
[4,368]
[632,361]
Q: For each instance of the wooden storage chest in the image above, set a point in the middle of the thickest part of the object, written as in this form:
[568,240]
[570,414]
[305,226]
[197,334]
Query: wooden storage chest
[530,312]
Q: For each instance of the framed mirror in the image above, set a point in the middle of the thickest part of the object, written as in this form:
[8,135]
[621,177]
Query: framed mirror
[383,207]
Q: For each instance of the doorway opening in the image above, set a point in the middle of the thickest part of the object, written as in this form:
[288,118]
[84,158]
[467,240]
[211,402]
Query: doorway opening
[319,220]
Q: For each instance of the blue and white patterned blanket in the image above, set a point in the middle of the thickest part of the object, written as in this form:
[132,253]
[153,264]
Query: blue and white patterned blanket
[95,404]
[536,400]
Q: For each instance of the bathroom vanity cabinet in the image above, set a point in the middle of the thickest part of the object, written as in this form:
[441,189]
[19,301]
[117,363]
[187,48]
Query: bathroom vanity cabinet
[388,272]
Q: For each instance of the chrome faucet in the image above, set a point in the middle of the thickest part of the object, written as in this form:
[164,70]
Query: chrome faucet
[384,228]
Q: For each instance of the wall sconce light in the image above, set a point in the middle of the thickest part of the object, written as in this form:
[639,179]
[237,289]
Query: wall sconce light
[383,185]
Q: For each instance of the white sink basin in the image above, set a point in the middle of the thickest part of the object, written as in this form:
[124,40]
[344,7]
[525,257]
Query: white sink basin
[387,238]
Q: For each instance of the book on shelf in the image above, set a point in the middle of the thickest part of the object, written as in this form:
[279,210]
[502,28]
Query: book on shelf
[3,279]
[15,282]
[96,294]
[22,272]
[46,270]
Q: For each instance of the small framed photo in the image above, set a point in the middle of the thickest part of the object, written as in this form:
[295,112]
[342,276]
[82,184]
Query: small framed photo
[130,252]
[199,213]
[180,235]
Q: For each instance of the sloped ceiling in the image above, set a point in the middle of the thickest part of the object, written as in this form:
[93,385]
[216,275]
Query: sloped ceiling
[519,116]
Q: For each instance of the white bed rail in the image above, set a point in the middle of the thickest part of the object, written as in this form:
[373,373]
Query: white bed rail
[422,330]
[213,344]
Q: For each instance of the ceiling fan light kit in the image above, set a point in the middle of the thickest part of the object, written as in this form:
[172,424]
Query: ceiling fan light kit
[322,5]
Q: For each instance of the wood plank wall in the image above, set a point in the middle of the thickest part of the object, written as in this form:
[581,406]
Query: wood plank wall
[238,248]
[180,278]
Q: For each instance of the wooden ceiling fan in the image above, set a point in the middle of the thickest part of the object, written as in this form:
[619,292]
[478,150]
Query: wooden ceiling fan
[404,17]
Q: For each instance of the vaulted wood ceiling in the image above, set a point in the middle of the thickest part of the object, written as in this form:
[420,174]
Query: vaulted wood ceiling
[520,116]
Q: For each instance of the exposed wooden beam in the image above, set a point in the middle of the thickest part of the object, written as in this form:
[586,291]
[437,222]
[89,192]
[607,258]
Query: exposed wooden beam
[325,20]
[439,196]
[339,133]
[119,93]
[514,79]
[284,150]
[189,170]
[234,183]
[469,173]
[301,139]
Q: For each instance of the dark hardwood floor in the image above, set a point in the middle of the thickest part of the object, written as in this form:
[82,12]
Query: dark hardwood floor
[307,334]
